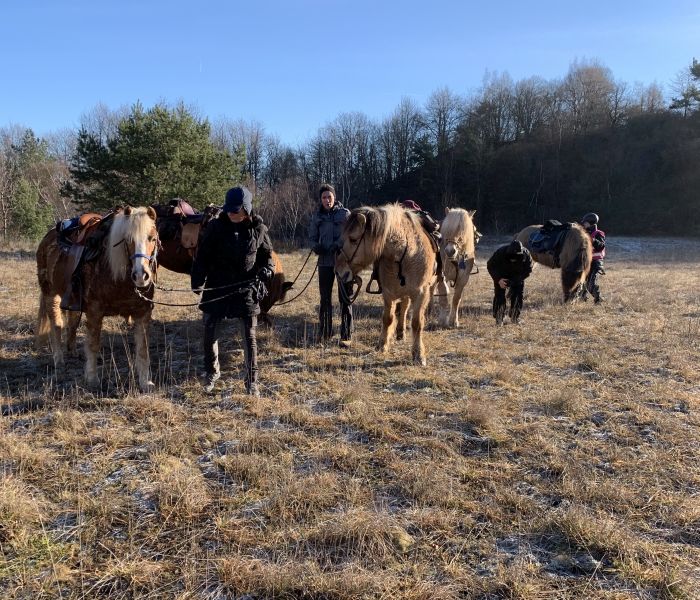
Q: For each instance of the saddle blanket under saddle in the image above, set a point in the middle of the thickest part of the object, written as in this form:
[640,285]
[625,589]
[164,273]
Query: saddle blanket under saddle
[549,238]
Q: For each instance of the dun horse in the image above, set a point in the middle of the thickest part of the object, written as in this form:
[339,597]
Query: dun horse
[395,238]
[574,258]
[127,263]
[458,252]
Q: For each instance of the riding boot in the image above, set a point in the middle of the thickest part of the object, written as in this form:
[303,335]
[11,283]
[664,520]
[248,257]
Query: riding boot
[499,304]
[250,347]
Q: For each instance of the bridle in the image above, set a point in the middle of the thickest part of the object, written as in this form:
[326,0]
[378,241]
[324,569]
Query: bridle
[356,281]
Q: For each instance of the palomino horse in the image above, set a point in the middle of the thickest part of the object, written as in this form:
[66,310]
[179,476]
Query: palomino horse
[573,257]
[458,252]
[395,238]
[118,282]
[179,235]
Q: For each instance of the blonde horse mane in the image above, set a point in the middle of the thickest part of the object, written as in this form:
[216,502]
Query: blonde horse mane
[379,223]
[458,224]
[125,229]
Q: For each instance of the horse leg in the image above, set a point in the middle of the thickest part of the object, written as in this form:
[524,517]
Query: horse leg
[401,311]
[453,320]
[442,292]
[72,331]
[388,324]
[93,326]
[420,304]
[55,318]
[143,367]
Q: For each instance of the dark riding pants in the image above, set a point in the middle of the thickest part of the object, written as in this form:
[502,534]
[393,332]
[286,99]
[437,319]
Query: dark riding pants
[250,347]
[515,293]
[326,277]
[592,282]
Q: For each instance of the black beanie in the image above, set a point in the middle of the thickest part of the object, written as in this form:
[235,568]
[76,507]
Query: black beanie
[515,248]
[237,198]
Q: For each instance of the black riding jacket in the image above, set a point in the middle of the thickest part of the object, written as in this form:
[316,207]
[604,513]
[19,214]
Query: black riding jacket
[230,253]
[513,267]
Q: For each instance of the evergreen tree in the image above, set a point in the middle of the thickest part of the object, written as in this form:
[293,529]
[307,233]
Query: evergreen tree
[156,154]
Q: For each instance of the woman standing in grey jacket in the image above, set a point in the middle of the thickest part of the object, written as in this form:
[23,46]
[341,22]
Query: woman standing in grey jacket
[324,237]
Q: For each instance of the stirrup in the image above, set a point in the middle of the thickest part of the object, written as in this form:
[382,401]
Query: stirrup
[369,289]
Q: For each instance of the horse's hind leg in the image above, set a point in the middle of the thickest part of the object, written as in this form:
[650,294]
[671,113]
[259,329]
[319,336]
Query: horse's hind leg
[143,367]
[72,331]
[420,304]
[401,311]
[388,324]
[93,326]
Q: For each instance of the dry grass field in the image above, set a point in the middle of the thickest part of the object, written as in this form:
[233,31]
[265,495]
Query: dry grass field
[556,459]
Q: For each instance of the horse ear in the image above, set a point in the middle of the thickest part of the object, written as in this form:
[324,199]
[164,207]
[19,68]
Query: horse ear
[127,210]
[151,213]
[361,220]
[472,212]
[447,210]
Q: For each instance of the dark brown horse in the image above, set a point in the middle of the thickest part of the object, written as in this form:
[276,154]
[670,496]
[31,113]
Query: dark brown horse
[114,283]
[180,228]
[573,257]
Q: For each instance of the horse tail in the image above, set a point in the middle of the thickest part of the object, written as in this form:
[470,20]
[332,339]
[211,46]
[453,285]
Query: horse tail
[575,270]
[41,336]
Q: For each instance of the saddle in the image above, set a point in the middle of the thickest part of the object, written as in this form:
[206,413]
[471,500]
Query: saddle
[179,221]
[81,239]
[549,239]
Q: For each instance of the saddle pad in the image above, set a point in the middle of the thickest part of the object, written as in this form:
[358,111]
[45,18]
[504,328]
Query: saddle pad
[190,235]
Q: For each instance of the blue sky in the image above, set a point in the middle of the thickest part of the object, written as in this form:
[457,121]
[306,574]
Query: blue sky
[296,65]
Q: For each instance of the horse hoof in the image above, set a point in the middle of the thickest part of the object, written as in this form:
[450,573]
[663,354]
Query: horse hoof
[421,362]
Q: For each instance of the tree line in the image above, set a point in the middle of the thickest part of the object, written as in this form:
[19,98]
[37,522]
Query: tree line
[516,151]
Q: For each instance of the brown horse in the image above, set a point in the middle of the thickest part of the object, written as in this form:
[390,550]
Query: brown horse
[394,238]
[458,253]
[179,240]
[574,258]
[110,283]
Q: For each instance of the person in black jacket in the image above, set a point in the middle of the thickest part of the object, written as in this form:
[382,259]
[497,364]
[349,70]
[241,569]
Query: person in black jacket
[233,260]
[325,232]
[509,267]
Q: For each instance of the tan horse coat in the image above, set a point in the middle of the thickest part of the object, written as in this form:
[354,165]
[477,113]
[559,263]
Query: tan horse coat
[458,253]
[574,258]
[109,284]
[396,239]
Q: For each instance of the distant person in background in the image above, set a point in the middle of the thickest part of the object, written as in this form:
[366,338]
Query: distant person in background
[509,267]
[325,232]
[590,223]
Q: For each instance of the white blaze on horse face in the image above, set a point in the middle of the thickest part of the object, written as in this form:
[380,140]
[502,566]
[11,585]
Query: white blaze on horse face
[451,249]
[144,250]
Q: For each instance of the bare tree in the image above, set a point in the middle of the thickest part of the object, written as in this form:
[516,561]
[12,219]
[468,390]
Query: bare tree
[586,92]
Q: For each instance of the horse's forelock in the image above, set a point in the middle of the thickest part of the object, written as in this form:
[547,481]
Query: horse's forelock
[126,228]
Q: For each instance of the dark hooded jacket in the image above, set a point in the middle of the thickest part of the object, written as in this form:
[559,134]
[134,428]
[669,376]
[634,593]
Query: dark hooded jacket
[229,253]
[325,232]
[513,267]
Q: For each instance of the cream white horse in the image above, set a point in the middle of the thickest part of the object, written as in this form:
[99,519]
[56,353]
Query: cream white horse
[110,285]
[458,253]
[394,238]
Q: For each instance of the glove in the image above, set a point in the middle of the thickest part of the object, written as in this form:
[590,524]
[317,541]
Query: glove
[265,274]
[318,249]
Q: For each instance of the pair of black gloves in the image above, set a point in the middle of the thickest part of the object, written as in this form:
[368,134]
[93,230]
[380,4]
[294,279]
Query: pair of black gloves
[265,275]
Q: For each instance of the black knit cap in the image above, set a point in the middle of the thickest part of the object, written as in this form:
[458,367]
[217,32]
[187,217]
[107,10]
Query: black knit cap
[237,198]
[515,247]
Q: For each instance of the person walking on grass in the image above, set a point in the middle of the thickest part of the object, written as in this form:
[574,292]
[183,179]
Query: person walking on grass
[233,261]
[590,224]
[325,232]
[509,267]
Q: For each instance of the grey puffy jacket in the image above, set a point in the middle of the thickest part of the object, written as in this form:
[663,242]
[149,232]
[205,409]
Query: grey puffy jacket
[324,233]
